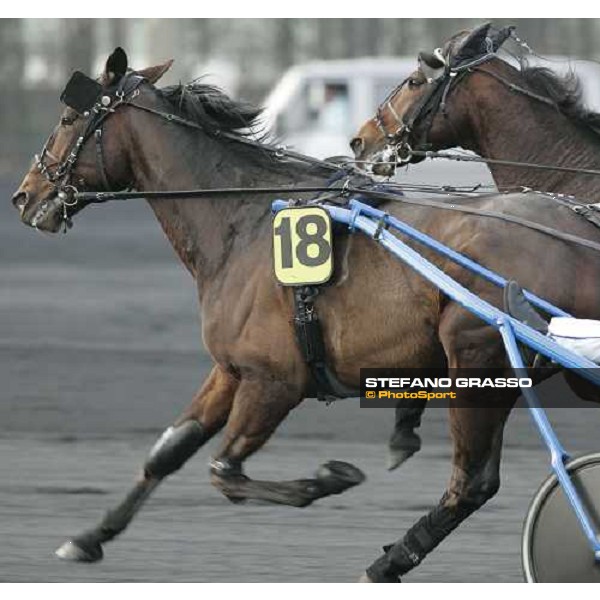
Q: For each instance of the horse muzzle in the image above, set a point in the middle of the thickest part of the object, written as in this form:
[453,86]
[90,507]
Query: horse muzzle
[45,215]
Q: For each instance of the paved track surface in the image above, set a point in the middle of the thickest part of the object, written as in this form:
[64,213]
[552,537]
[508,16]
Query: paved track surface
[100,349]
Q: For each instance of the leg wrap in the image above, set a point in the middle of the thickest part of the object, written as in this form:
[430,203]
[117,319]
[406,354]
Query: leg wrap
[419,541]
[175,446]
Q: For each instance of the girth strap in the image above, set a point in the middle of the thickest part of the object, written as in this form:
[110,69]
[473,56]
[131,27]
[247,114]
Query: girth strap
[310,339]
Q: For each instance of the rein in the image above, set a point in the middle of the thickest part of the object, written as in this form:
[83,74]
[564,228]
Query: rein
[501,162]
[344,191]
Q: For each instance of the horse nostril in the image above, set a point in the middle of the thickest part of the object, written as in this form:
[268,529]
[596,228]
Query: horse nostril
[20,200]
[357,144]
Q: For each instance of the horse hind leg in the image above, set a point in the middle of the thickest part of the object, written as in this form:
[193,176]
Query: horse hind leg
[405,441]
[259,407]
[204,417]
[477,432]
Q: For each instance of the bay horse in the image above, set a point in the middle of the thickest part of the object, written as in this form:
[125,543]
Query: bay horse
[147,143]
[522,113]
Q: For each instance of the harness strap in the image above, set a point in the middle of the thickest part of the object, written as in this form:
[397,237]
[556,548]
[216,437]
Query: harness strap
[513,87]
[310,339]
[99,197]
[278,151]
[100,159]
[590,211]
[555,233]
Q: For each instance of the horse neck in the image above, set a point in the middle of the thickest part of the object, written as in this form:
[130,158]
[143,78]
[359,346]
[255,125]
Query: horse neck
[512,126]
[202,230]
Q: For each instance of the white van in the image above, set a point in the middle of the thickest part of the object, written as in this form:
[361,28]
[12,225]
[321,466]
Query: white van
[316,107]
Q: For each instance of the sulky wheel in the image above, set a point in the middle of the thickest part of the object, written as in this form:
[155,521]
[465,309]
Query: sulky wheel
[554,547]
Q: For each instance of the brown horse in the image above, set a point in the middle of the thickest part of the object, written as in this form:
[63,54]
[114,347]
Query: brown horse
[225,243]
[526,114]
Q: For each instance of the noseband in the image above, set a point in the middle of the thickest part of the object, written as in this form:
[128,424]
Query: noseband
[95,104]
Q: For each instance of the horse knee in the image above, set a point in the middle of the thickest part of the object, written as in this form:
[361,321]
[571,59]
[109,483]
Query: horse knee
[174,447]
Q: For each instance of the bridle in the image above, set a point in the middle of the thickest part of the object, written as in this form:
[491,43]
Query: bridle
[400,143]
[422,113]
[93,102]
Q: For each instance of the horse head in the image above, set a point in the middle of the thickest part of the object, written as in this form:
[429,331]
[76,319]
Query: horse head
[427,110]
[88,149]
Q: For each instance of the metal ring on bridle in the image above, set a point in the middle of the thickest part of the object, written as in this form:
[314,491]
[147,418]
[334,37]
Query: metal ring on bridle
[403,151]
[63,194]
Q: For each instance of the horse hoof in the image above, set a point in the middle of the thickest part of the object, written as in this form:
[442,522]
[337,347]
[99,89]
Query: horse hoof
[76,551]
[402,446]
[343,474]
[398,457]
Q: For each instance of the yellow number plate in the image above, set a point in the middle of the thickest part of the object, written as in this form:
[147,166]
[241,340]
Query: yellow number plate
[302,248]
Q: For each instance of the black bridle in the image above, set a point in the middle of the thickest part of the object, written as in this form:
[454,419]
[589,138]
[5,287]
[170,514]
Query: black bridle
[95,104]
[423,112]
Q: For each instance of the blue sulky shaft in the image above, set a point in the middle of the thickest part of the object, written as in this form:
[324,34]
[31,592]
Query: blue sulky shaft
[558,455]
[368,219]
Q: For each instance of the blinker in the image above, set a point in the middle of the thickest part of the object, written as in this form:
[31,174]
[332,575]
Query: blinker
[433,65]
[81,92]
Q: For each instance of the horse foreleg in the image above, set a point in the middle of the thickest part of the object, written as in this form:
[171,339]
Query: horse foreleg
[258,409]
[204,417]
[477,438]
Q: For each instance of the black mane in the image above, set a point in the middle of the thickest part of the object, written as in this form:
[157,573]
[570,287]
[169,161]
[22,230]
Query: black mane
[212,109]
[565,91]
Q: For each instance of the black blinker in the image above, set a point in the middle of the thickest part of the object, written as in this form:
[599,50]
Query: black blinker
[81,92]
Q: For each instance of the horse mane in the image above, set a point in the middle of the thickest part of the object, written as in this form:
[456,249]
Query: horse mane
[565,91]
[212,109]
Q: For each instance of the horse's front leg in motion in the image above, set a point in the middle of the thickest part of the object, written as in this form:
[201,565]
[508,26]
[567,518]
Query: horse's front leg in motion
[204,417]
[477,437]
[258,408]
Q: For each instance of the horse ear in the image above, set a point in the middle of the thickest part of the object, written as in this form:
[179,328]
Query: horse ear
[153,74]
[473,44]
[116,66]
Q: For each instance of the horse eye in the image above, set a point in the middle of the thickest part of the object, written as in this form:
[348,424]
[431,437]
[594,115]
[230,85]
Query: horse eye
[413,82]
[67,120]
